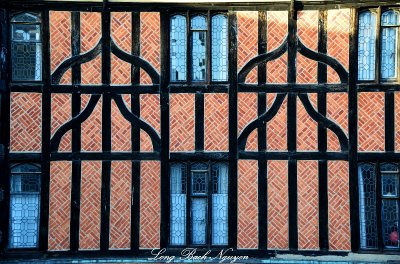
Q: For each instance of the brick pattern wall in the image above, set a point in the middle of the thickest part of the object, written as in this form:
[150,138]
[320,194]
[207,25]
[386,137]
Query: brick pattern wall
[26,134]
[120,209]
[89,233]
[338,40]
[25,122]
[150,204]
[307,181]
[338,209]
[216,122]
[371,124]
[247,204]
[278,205]
[60,206]
[337,110]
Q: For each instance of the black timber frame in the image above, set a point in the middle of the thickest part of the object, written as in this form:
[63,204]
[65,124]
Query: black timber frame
[161,85]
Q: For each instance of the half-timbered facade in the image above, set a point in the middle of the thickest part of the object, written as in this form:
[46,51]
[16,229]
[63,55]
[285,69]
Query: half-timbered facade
[259,126]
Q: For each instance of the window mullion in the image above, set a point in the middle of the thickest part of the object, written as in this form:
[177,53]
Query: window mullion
[378,53]
[189,75]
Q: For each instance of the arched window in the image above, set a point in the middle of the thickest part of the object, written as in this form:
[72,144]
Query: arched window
[24,206]
[366,46]
[26,48]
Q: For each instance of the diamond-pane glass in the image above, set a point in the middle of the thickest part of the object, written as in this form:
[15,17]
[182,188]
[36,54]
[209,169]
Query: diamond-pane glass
[368,220]
[219,49]
[178,48]
[366,46]
[26,49]
[24,206]
[199,220]
[178,205]
[220,204]
[390,222]
[388,45]
[390,180]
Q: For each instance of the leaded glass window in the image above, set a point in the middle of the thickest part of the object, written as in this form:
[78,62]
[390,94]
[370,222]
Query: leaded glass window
[178,48]
[366,46]
[219,60]
[389,23]
[197,47]
[199,211]
[26,48]
[24,206]
[368,225]
[379,188]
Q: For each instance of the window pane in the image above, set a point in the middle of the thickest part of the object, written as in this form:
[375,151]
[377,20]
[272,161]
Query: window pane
[199,55]
[178,48]
[219,52]
[25,18]
[198,23]
[390,180]
[199,220]
[178,205]
[368,221]
[24,206]
[220,205]
[366,46]
[390,223]
[388,45]
[199,182]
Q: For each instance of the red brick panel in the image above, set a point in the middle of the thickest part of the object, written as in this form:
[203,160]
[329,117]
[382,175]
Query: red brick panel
[149,112]
[371,122]
[397,120]
[120,127]
[150,205]
[338,40]
[120,209]
[121,33]
[339,208]
[247,112]
[149,42]
[277,30]
[90,36]
[308,34]
[91,128]
[307,128]
[247,41]
[25,122]
[216,117]
[277,126]
[60,114]
[307,188]
[337,111]
[60,41]
[89,233]
[182,122]
[247,204]
[121,30]
[278,205]
[60,205]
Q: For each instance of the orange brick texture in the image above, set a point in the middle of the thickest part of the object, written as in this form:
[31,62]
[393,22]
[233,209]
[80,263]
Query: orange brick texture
[26,134]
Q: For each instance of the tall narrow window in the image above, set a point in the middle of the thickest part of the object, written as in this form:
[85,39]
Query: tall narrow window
[24,206]
[368,220]
[178,205]
[26,48]
[379,188]
[199,204]
[219,40]
[389,23]
[198,27]
[366,46]
[178,48]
